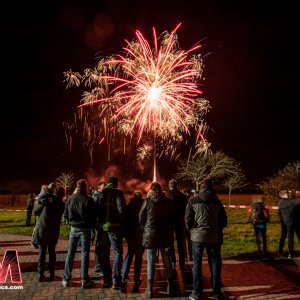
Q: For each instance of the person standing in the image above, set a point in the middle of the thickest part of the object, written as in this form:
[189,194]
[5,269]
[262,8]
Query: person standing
[296,214]
[204,217]
[80,214]
[179,201]
[112,217]
[259,216]
[157,218]
[222,225]
[133,236]
[47,232]
[97,196]
[45,196]
[29,208]
[286,211]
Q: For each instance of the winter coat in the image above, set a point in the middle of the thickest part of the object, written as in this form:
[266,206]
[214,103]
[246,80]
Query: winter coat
[80,211]
[133,229]
[287,209]
[157,217]
[112,209]
[296,216]
[48,225]
[205,217]
[179,201]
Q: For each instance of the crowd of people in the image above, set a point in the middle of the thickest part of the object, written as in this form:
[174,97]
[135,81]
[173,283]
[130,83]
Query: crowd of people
[102,216]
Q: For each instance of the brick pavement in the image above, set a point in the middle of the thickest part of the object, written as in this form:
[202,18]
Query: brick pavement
[242,279]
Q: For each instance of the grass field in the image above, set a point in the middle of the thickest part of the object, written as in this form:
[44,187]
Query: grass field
[239,237]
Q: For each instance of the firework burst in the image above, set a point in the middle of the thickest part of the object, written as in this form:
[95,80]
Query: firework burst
[147,91]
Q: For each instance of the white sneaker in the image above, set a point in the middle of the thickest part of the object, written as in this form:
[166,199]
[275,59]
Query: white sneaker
[65,283]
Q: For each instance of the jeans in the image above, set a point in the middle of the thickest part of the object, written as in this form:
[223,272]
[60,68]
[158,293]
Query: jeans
[179,233]
[42,258]
[188,244]
[98,251]
[28,217]
[84,235]
[261,229]
[134,249]
[151,258]
[114,240]
[287,231]
[214,256]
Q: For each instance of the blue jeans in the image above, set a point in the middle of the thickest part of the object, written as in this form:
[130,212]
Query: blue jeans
[151,259]
[84,235]
[98,251]
[261,229]
[214,256]
[134,249]
[115,240]
[179,233]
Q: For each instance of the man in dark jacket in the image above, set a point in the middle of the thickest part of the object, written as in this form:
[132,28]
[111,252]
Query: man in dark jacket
[80,214]
[112,217]
[286,210]
[296,214]
[47,231]
[133,236]
[29,208]
[157,218]
[179,201]
[97,195]
[204,217]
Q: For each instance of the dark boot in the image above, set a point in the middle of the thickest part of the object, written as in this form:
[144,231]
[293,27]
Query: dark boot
[149,290]
[171,287]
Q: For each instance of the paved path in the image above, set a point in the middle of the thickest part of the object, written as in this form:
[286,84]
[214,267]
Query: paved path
[242,279]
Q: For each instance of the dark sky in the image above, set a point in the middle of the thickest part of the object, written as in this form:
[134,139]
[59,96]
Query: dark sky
[251,76]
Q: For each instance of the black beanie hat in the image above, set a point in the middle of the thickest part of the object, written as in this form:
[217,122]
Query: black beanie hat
[113,181]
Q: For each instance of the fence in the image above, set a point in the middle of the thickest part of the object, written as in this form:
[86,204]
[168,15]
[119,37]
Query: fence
[13,200]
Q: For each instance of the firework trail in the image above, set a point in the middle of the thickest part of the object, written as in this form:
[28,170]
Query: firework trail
[147,91]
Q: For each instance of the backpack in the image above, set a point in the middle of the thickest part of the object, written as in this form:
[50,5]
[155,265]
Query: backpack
[259,213]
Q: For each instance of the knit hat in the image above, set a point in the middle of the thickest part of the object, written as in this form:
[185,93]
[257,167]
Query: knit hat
[113,181]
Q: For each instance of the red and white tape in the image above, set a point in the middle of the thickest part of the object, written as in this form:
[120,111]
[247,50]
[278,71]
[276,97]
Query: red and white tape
[225,205]
[13,210]
[248,206]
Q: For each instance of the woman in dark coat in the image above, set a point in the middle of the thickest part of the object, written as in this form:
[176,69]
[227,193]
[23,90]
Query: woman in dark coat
[156,216]
[49,210]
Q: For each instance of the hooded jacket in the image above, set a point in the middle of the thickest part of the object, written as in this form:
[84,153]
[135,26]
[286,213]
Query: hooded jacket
[205,217]
[157,217]
[48,225]
[112,209]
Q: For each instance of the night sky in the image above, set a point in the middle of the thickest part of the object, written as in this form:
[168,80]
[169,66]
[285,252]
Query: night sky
[251,77]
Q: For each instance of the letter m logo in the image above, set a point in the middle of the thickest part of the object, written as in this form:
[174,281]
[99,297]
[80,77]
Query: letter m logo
[10,265]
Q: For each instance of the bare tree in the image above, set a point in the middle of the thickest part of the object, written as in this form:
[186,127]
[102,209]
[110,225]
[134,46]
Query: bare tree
[216,166]
[66,180]
[235,180]
[193,170]
[286,179]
